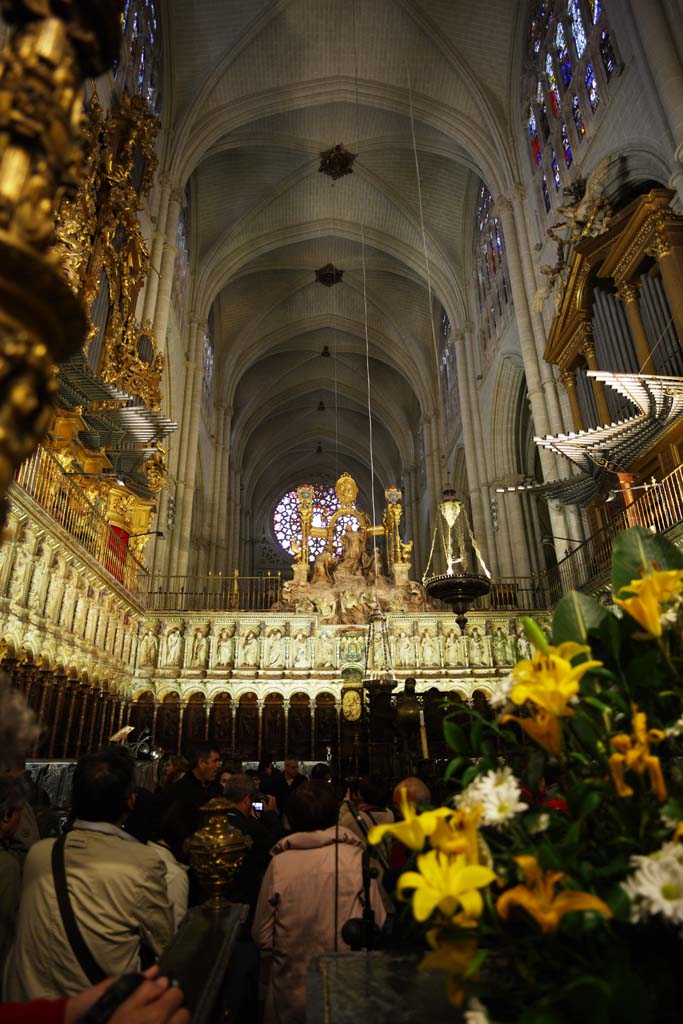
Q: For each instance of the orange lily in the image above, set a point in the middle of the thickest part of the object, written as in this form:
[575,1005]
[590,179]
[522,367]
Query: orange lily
[633,753]
[649,594]
[543,728]
[538,898]
[459,834]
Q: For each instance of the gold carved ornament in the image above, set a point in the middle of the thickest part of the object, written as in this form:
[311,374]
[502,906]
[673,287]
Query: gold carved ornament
[51,49]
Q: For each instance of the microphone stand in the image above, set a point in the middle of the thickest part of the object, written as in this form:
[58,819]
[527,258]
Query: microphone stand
[362,932]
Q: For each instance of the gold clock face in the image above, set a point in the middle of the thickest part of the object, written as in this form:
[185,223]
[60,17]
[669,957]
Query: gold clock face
[351,705]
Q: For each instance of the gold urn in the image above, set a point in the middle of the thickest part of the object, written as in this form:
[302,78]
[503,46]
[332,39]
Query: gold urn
[217,851]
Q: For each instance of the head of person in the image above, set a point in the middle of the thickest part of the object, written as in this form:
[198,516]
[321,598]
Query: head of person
[205,762]
[291,767]
[19,729]
[239,792]
[312,807]
[224,776]
[254,776]
[265,768]
[11,805]
[374,791]
[175,767]
[103,786]
[321,773]
[179,821]
[412,789]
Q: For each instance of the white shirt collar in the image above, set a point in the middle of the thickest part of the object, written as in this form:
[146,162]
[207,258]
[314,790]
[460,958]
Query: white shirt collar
[103,826]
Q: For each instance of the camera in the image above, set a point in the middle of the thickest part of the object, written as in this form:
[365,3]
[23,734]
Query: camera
[257,805]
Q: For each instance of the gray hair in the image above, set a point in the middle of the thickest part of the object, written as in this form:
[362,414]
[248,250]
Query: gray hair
[237,787]
[19,728]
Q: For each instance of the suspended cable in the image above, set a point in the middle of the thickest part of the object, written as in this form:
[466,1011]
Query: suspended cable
[437,359]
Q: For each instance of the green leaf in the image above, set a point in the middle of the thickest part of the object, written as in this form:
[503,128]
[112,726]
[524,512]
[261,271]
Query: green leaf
[636,550]
[455,737]
[574,616]
[619,904]
[535,634]
[453,766]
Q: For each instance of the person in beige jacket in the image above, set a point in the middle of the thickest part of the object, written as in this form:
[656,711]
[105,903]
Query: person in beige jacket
[318,867]
[116,885]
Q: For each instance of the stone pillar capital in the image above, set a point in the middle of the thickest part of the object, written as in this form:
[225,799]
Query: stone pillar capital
[628,292]
[568,378]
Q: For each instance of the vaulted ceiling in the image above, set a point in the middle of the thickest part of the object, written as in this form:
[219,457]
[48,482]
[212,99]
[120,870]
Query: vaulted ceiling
[256,90]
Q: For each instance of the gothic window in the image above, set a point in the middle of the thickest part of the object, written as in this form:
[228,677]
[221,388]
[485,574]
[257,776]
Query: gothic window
[576,25]
[287,526]
[491,276]
[181,271]
[566,146]
[563,57]
[569,44]
[209,357]
[138,68]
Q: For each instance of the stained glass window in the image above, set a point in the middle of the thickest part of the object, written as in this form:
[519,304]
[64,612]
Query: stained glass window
[576,23]
[137,70]
[287,526]
[546,193]
[207,382]
[565,146]
[533,135]
[556,171]
[563,57]
[552,85]
[592,87]
[596,10]
[607,53]
[578,118]
[491,270]
[542,110]
[539,26]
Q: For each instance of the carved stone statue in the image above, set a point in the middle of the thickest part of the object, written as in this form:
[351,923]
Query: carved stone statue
[404,653]
[148,651]
[225,648]
[326,651]
[175,645]
[250,649]
[522,646]
[200,646]
[501,648]
[275,652]
[452,644]
[373,564]
[477,646]
[322,571]
[300,655]
[429,651]
[352,550]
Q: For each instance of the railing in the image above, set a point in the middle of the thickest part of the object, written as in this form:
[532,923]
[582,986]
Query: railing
[660,507]
[214,593]
[43,479]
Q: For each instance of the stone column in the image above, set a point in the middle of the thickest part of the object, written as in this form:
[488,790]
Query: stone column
[217,460]
[313,707]
[473,480]
[233,725]
[568,380]
[259,753]
[488,537]
[165,287]
[223,495]
[588,350]
[207,715]
[529,356]
[665,67]
[156,250]
[155,715]
[549,386]
[286,709]
[187,468]
[628,295]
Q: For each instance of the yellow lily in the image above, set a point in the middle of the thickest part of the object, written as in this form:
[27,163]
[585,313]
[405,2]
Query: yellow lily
[542,727]
[459,834]
[414,828]
[550,680]
[447,883]
[633,753]
[538,898]
[649,594]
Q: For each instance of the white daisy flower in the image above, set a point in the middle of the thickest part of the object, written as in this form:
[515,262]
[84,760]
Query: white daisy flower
[501,690]
[656,886]
[498,793]
[476,1012]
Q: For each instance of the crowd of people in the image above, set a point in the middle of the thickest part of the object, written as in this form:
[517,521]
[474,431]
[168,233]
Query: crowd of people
[106,897]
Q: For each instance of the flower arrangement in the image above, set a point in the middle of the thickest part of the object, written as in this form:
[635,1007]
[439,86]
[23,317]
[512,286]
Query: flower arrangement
[549,907]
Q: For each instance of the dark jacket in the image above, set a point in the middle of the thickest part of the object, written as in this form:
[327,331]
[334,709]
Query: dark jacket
[264,832]
[190,790]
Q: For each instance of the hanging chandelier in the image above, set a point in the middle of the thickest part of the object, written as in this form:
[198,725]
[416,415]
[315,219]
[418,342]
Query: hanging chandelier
[456,572]
[378,675]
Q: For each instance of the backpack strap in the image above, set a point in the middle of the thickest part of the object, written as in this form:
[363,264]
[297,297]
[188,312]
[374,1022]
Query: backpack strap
[88,964]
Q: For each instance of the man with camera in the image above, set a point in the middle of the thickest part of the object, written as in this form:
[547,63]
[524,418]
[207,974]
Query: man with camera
[254,814]
[90,899]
